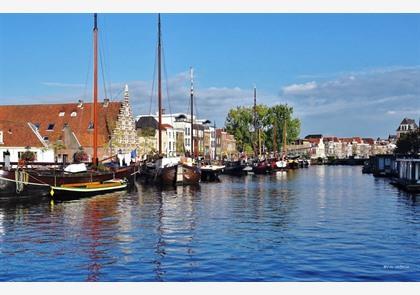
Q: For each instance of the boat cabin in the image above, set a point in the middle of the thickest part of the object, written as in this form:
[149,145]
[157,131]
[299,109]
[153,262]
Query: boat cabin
[409,170]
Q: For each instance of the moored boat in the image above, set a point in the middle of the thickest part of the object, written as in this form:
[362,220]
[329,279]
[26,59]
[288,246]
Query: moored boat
[87,189]
[211,172]
[235,168]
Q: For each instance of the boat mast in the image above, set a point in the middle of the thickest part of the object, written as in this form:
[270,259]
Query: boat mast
[255,116]
[192,110]
[159,87]
[275,138]
[95,92]
[284,137]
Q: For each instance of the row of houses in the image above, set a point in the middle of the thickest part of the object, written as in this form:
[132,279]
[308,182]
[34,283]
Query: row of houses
[56,132]
[318,146]
[178,137]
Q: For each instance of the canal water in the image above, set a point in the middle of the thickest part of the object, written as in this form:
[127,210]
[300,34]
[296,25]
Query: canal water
[318,224]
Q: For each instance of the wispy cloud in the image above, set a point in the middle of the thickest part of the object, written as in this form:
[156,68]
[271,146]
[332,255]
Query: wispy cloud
[299,88]
[211,103]
[368,102]
[59,84]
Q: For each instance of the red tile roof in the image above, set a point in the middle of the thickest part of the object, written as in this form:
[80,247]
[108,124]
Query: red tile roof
[166,126]
[16,134]
[313,140]
[46,114]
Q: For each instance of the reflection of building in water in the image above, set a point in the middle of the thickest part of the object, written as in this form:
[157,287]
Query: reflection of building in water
[1,223]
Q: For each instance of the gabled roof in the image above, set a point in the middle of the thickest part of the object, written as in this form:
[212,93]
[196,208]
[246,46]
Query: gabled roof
[51,118]
[167,126]
[313,136]
[17,134]
[407,121]
[147,122]
[370,141]
[314,140]
[330,138]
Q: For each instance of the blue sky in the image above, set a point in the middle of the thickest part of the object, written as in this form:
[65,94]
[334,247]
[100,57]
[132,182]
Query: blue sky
[344,74]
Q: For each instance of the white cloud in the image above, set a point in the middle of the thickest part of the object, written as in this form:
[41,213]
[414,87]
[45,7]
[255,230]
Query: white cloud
[59,84]
[299,88]
[358,101]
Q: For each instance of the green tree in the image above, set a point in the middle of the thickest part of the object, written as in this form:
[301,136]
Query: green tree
[240,123]
[409,143]
[278,118]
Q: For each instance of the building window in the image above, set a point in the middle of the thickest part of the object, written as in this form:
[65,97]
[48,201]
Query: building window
[50,127]
[90,125]
[73,114]
[61,114]
[37,125]
[45,138]
[1,137]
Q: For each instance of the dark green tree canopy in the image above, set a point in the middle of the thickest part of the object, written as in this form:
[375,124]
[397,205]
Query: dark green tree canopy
[409,143]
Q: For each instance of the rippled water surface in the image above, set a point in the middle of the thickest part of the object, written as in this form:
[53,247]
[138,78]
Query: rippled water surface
[316,224]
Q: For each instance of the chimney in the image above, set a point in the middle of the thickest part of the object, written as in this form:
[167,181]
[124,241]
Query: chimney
[80,103]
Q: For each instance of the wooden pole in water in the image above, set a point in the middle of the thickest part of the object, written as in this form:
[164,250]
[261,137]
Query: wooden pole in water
[95,92]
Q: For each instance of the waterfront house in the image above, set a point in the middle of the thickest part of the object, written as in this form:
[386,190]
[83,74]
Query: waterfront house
[406,125]
[55,132]
[317,146]
[17,137]
[225,144]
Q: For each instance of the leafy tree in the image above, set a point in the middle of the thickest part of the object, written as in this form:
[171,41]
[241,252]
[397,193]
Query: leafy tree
[409,143]
[240,123]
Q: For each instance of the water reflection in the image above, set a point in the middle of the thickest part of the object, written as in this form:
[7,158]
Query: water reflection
[100,221]
[320,223]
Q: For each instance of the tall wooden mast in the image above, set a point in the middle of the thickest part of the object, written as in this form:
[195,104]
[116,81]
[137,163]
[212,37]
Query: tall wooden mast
[275,138]
[255,117]
[192,111]
[159,87]
[95,92]
[284,137]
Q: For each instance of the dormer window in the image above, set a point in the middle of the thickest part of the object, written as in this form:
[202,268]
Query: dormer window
[61,114]
[73,114]
[37,125]
[45,138]
[90,126]
[50,127]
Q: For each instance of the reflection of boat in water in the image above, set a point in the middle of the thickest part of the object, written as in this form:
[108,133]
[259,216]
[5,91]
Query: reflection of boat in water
[80,190]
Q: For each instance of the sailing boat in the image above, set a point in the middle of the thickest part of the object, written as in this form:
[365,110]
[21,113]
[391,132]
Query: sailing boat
[261,165]
[164,170]
[23,183]
[281,164]
[191,174]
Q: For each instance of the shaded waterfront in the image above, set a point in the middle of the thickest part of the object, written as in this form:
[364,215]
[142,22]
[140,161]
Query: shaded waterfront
[317,224]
